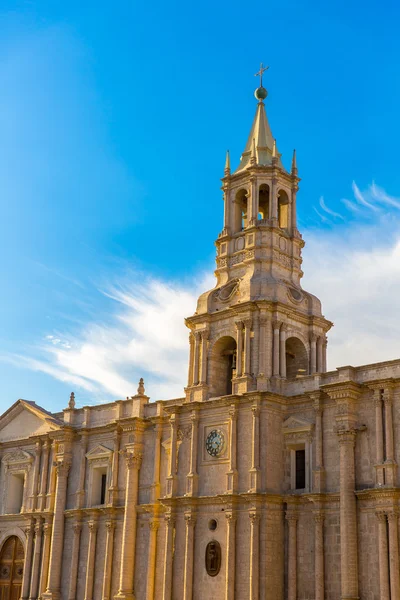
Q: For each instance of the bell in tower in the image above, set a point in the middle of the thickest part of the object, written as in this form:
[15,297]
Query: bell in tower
[257,329]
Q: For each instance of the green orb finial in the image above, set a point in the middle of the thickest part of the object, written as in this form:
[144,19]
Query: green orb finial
[261,93]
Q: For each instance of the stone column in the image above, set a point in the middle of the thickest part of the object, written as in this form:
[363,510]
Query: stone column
[320,360]
[44,471]
[168,556]
[276,327]
[247,351]
[387,399]
[76,542]
[47,527]
[383,557]
[262,367]
[53,478]
[282,352]
[348,516]
[253,204]
[36,560]
[53,591]
[324,354]
[171,479]
[255,345]
[319,482]
[108,559]
[91,559]
[239,344]
[157,464]
[232,473]
[113,490]
[293,206]
[80,494]
[313,353]
[379,436]
[230,556]
[274,199]
[255,450]
[35,477]
[292,555]
[26,580]
[196,362]
[128,547]
[394,555]
[254,554]
[191,358]
[319,556]
[204,340]
[190,521]
[192,478]
[151,561]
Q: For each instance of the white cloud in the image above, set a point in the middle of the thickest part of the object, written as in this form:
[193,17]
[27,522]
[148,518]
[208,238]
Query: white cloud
[326,208]
[354,269]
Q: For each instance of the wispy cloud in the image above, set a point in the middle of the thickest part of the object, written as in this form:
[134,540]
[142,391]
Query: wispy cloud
[328,210]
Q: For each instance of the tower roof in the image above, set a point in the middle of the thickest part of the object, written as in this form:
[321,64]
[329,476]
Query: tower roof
[260,136]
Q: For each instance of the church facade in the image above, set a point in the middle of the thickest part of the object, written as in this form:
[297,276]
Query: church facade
[270,479]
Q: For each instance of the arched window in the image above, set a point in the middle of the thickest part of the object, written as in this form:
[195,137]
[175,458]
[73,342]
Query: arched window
[241,211]
[296,358]
[221,366]
[283,209]
[11,568]
[263,202]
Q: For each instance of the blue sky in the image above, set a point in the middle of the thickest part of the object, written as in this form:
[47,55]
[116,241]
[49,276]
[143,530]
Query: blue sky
[114,123]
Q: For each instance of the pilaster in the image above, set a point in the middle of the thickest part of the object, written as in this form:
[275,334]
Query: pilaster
[108,559]
[168,556]
[76,542]
[190,521]
[91,558]
[230,571]
[254,554]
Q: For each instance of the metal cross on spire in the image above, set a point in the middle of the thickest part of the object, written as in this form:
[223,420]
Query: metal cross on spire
[261,72]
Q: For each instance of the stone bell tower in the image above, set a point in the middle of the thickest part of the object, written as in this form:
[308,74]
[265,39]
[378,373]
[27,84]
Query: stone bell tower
[257,328]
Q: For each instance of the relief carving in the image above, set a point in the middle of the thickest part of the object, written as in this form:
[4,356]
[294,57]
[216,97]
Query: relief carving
[213,558]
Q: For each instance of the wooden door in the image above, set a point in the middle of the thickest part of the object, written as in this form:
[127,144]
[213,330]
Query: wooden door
[11,569]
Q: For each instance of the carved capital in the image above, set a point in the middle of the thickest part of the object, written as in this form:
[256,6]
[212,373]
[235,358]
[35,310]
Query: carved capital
[92,526]
[110,525]
[291,517]
[77,527]
[154,525]
[381,516]
[255,409]
[197,336]
[205,335]
[190,520]
[47,527]
[313,338]
[393,517]
[319,517]
[62,468]
[239,325]
[230,518]
[169,519]
[133,460]
[254,517]
[247,323]
[232,412]
[264,320]
[29,531]
[276,325]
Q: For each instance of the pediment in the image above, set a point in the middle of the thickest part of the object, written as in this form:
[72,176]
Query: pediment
[294,424]
[24,420]
[17,457]
[99,451]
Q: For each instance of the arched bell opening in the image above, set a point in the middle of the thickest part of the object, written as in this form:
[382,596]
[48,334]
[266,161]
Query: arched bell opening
[221,365]
[263,202]
[12,558]
[283,209]
[241,210]
[296,358]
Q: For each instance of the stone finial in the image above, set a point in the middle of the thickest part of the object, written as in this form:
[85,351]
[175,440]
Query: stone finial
[141,389]
[227,170]
[294,163]
[71,403]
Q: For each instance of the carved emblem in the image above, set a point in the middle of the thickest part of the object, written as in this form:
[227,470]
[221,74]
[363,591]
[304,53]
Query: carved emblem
[213,558]
[225,292]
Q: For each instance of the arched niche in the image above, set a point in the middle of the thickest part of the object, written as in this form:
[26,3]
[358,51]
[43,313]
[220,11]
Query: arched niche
[241,210]
[296,358]
[263,201]
[221,364]
[283,209]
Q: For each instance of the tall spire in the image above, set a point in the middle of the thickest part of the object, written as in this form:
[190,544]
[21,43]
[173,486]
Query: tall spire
[260,132]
